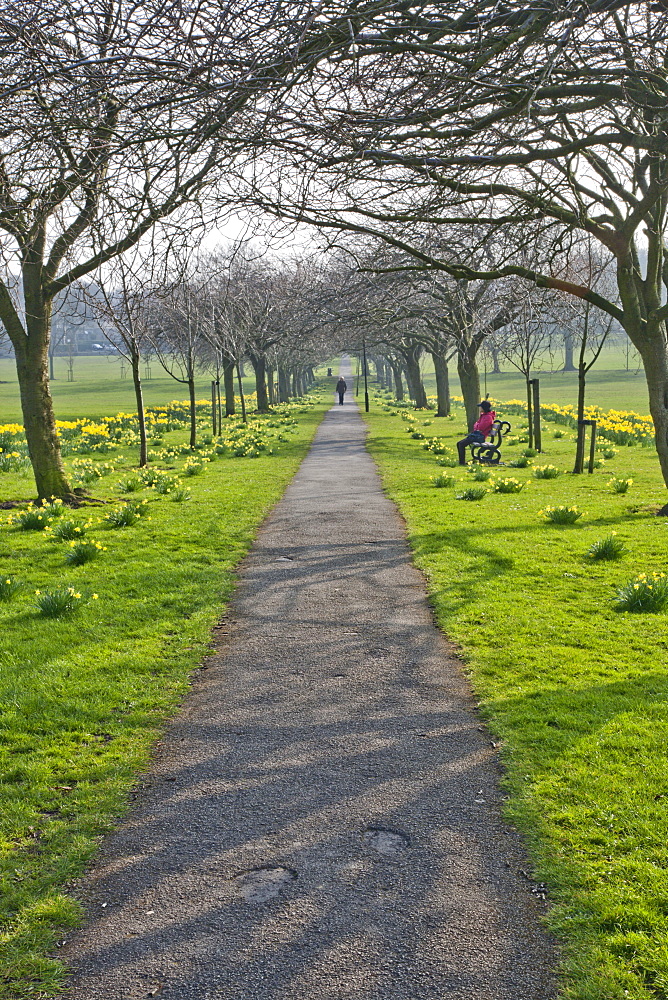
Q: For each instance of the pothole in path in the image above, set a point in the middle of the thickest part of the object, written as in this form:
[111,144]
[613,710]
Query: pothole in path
[259,885]
[385,841]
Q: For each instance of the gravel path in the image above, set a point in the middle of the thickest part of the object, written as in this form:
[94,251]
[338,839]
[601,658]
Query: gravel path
[323,819]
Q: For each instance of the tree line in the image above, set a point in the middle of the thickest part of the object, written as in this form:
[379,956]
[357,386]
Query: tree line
[485,168]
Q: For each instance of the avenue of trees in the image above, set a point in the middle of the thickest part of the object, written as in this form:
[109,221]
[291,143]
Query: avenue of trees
[484,178]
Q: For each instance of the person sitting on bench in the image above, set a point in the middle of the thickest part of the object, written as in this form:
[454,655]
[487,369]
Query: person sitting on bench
[481,428]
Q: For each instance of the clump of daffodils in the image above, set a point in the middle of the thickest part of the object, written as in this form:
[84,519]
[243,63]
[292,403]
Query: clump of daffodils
[60,601]
[619,485]
[546,471]
[646,592]
[508,485]
[561,514]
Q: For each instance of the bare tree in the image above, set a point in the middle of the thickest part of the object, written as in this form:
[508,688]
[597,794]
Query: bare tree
[180,322]
[123,307]
[115,116]
[528,337]
[549,119]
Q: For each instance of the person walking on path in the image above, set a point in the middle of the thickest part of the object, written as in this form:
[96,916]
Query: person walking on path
[481,428]
[341,388]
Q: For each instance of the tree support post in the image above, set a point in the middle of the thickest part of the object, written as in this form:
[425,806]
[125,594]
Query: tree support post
[582,431]
[535,391]
[214,408]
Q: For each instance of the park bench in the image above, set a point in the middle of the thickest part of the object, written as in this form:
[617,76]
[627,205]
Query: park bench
[489,453]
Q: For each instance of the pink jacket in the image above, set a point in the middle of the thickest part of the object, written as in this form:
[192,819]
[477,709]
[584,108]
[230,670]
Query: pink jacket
[484,424]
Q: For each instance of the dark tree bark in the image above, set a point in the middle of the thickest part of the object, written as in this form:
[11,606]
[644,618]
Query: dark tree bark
[193,410]
[469,379]
[139,397]
[442,384]
[228,383]
[259,364]
[411,356]
[283,384]
[398,381]
[37,406]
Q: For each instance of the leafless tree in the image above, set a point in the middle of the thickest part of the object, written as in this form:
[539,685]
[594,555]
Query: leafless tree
[179,321]
[123,306]
[547,119]
[114,116]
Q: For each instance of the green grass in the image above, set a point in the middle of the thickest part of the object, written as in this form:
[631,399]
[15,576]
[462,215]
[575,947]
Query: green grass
[85,694]
[575,691]
[609,384]
[98,389]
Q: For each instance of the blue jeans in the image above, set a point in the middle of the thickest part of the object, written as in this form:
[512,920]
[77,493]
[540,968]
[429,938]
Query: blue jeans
[475,437]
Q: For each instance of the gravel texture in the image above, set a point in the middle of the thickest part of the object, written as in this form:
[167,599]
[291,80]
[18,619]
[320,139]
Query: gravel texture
[322,821]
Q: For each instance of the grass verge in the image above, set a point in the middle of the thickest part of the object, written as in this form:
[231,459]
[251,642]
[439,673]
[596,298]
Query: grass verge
[85,693]
[575,690]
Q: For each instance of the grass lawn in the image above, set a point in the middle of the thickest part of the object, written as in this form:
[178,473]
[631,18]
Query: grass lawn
[575,690]
[85,695]
[98,389]
[609,384]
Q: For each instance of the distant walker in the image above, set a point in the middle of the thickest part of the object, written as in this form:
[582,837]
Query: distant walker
[341,389]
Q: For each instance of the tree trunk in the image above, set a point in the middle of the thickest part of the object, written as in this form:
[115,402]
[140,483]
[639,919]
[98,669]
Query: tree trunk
[568,352]
[469,379]
[244,416]
[283,385]
[442,384]
[136,378]
[39,421]
[655,362]
[414,377]
[260,368]
[228,382]
[270,385]
[398,381]
[193,411]
[496,370]
[31,348]
[52,367]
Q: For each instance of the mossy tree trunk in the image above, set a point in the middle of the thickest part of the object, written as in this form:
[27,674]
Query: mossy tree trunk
[398,381]
[411,355]
[259,364]
[442,384]
[31,348]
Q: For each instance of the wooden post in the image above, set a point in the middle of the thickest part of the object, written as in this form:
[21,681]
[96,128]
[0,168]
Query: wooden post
[214,407]
[580,450]
[592,447]
[535,387]
[582,431]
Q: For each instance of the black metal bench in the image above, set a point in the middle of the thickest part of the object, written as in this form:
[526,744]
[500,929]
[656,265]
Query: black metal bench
[489,453]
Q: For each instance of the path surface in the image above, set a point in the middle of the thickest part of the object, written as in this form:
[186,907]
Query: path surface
[322,822]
